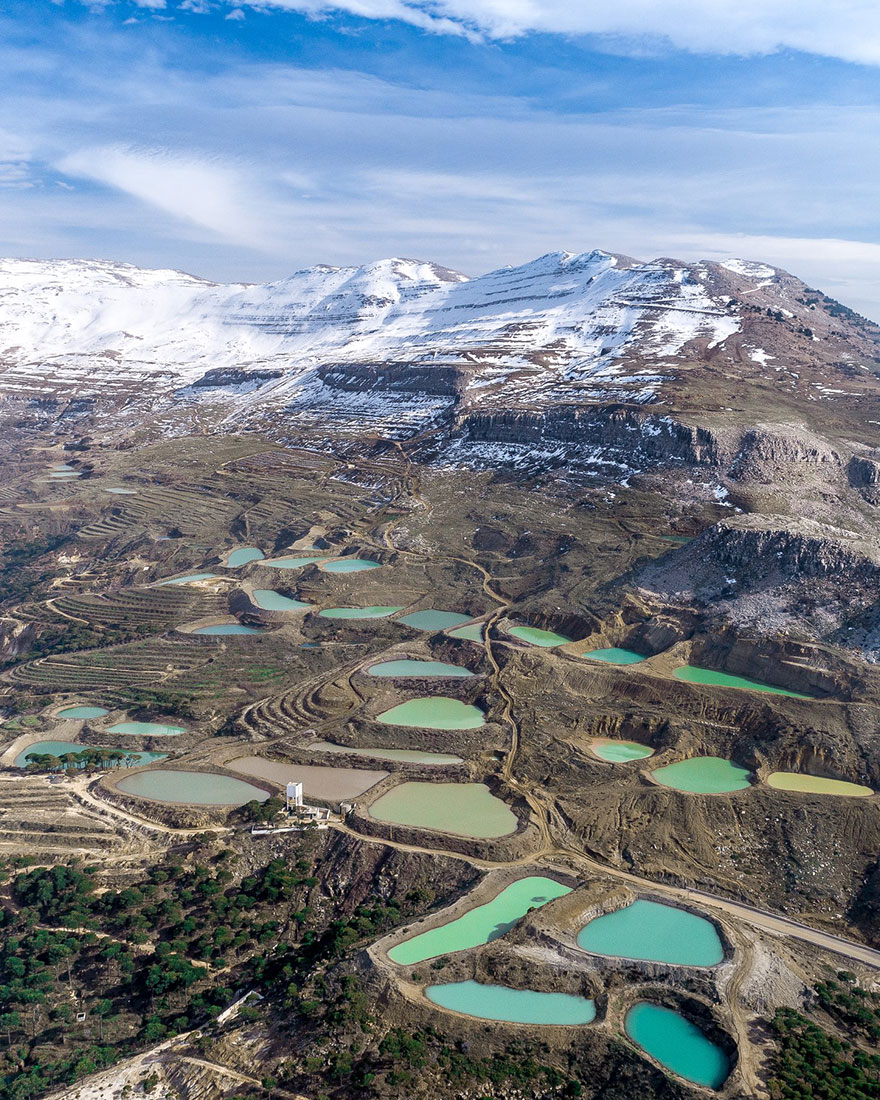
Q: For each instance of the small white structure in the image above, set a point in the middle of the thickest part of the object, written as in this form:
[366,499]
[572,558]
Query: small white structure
[294,796]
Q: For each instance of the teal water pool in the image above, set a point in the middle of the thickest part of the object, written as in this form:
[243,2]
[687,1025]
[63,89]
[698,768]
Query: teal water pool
[434,712]
[615,656]
[433,620]
[269,600]
[677,1044]
[515,1006]
[463,809]
[146,729]
[546,639]
[693,674]
[483,923]
[704,775]
[350,565]
[223,629]
[83,712]
[61,748]
[243,555]
[375,612]
[619,752]
[422,669]
[654,932]
[192,788]
[473,632]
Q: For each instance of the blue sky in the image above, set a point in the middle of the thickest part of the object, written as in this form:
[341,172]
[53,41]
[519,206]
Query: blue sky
[247,140]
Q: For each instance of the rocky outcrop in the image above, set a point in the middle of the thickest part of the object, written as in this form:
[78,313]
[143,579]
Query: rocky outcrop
[768,455]
[433,380]
[864,477]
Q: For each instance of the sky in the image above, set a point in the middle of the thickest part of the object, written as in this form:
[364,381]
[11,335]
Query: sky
[243,140]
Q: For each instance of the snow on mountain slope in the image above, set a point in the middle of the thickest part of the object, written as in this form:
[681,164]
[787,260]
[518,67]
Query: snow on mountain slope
[563,318]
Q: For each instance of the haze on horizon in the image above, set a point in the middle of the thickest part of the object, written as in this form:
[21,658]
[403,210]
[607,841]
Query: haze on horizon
[243,141]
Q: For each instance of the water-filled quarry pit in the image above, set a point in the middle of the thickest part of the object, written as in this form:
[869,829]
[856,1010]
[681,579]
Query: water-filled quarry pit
[709,677]
[703,775]
[325,783]
[403,756]
[83,712]
[190,788]
[515,1006]
[224,630]
[146,729]
[652,932]
[406,668]
[242,556]
[267,599]
[350,565]
[482,924]
[461,809]
[614,751]
[614,655]
[433,620]
[434,712]
[678,1044]
[816,784]
[533,635]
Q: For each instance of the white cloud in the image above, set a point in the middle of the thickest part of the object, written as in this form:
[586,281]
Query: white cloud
[846,29]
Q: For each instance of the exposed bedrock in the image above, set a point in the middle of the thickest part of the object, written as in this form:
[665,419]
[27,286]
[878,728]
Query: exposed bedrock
[437,381]
[767,455]
[864,477]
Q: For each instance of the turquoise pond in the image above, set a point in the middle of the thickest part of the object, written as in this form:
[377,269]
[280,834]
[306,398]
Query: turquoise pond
[422,669]
[59,748]
[619,752]
[405,756]
[146,729]
[483,923]
[433,620]
[82,712]
[677,1044]
[243,555]
[546,639]
[269,600]
[515,1006]
[294,563]
[120,491]
[434,712]
[195,788]
[375,612]
[350,565]
[228,628]
[190,578]
[704,775]
[473,632]
[654,932]
[693,674]
[615,656]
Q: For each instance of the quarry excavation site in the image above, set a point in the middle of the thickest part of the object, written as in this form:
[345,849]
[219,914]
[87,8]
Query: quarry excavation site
[424,686]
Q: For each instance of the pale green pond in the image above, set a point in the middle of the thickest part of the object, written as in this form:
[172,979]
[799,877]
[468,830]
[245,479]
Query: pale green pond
[483,923]
[65,475]
[426,669]
[619,752]
[350,565]
[434,712]
[473,632]
[60,466]
[463,809]
[60,748]
[546,639]
[375,612]
[693,674]
[293,563]
[190,578]
[222,629]
[119,491]
[433,620]
[406,756]
[653,932]
[677,1044]
[816,784]
[515,1006]
[83,712]
[146,729]
[243,555]
[703,775]
[269,600]
[196,788]
[615,656]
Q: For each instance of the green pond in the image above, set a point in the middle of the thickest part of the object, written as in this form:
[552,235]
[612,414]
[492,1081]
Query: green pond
[65,474]
[269,600]
[615,656]
[243,555]
[654,932]
[197,788]
[483,923]
[433,620]
[677,1044]
[146,729]
[547,639]
[118,491]
[693,674]
[83,712]
[704,775]
[619,752]
[426,669]
[434,712]
[293,563]
[375,612]
[464,809]
[515,1006]
[350,565]
[60,466]
[681,540]
[228,628]
[816,784]
[473,632]
[190,578]
[407,756]
[59,748]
